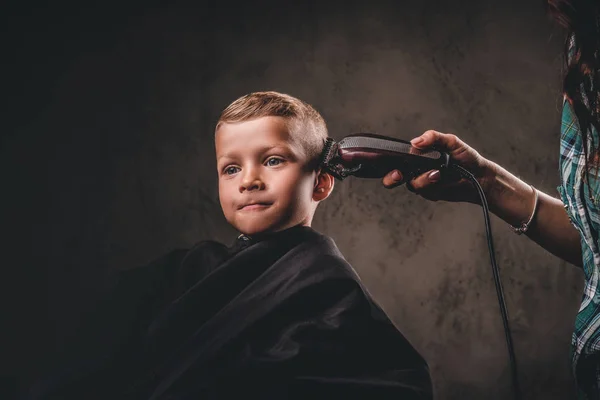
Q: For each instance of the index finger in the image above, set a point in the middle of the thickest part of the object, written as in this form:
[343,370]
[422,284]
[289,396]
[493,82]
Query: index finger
[392,179]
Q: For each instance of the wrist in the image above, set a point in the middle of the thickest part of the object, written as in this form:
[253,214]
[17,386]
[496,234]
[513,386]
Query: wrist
[491,182]
[508,197]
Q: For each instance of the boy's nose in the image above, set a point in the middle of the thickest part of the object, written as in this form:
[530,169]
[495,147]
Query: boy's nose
[252,184]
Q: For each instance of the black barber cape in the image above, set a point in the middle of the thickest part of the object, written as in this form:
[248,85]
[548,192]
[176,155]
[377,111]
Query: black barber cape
[279,317]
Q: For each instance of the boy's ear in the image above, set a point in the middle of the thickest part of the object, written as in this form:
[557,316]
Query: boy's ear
[323,185]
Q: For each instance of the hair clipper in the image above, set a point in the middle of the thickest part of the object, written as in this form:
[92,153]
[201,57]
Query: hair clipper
[367,155]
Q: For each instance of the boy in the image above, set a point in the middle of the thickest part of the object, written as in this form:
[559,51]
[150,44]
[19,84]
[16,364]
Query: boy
[278,315]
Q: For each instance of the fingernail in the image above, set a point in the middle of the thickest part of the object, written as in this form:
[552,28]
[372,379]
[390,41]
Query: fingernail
[416,141]
[434,175]
[396,175]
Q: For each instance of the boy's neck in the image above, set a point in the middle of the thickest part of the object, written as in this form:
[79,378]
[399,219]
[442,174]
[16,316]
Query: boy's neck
[259,236]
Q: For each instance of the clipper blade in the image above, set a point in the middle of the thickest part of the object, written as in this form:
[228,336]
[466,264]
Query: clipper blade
[333,164]
[329,151]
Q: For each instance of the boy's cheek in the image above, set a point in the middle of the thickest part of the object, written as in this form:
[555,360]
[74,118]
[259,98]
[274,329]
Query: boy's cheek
[224,199]
[224,189]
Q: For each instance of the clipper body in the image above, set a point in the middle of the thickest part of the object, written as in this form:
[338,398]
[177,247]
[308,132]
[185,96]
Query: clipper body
[367,155]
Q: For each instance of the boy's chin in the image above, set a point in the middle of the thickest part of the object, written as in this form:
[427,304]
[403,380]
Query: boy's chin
[251,229]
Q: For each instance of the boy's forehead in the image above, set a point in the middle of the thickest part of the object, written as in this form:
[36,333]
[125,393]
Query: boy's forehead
[257,133]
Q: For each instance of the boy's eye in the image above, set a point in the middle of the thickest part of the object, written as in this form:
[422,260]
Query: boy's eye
[273,161]
[230,170]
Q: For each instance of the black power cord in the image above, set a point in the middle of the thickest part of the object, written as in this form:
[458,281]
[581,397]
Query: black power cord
[499,291]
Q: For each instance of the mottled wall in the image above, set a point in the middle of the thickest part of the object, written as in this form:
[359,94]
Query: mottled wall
[107,162]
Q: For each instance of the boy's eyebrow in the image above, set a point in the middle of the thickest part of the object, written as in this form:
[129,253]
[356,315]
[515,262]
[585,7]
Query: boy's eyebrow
[261,150]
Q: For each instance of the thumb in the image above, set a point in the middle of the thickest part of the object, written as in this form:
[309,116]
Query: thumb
[443,141]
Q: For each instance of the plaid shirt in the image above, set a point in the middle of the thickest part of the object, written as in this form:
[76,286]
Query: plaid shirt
[581,204]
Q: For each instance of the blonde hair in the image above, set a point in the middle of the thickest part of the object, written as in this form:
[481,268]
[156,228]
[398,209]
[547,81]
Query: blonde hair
[307,126]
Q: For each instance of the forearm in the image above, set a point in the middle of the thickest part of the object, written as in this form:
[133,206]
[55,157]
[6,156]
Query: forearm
[512,200]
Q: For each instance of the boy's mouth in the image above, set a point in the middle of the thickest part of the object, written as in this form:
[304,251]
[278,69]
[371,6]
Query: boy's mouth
[253,206]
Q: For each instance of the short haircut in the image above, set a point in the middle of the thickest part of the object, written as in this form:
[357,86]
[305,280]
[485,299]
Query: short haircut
[307,127]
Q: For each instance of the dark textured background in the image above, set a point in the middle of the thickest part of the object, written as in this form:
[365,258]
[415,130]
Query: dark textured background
[107,162]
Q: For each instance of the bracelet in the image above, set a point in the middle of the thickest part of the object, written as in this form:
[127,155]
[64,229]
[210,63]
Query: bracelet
[525,226]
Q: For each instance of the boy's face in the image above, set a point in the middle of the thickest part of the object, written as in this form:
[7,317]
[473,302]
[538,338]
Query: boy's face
[264,182]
